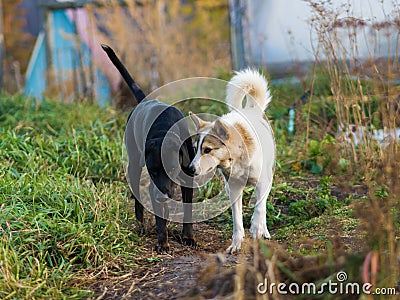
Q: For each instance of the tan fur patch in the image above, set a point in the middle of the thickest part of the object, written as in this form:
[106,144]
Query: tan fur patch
[200,123]
[237,147]
[247,139]
[205,128]
[253,93]
[238,135]
[212,142]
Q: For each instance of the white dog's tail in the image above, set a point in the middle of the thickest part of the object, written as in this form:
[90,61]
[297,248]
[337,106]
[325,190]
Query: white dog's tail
[248,82]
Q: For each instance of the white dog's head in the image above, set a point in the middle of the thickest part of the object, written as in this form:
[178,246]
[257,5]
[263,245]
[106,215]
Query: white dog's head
[211,147]
[219,144]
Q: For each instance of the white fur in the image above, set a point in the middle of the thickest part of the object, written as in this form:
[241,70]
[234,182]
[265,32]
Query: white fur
[257,167]
[245,83]
[202,163]
[259,170]
[261,164]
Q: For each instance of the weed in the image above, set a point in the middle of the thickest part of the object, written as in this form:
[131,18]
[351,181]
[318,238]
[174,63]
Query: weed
[381,192]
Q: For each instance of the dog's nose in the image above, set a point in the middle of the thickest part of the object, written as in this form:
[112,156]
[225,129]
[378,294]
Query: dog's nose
[192,169]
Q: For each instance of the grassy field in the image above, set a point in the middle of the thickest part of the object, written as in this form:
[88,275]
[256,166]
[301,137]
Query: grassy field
[67,227]
[66,219]
[63,200]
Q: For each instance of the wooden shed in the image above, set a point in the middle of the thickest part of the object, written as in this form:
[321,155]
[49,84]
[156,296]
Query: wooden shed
[62,63]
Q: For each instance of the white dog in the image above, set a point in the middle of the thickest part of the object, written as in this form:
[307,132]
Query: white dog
[240,144]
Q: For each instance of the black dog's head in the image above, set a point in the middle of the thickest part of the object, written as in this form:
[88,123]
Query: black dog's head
[166,158]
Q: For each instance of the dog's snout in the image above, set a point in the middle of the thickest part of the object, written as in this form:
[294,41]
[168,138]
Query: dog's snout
[192,169]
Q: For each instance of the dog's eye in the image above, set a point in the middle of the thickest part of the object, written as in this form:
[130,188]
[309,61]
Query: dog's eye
[207,150]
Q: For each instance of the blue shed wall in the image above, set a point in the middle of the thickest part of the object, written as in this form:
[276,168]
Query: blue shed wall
[35,83]
[70,63]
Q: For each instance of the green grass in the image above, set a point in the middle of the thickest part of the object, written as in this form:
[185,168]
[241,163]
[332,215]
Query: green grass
[64,209]
[63,205]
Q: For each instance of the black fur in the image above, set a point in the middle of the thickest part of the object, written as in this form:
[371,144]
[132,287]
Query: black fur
[136,90]
[154,140]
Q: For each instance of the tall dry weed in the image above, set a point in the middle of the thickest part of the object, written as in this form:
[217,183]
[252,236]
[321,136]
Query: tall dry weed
[361,58]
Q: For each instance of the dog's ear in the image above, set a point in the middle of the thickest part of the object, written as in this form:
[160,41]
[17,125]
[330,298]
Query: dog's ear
[221,130]
[197,121]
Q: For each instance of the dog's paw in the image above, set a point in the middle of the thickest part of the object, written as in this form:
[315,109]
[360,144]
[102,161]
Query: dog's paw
[189,242]
[259,231]
[234,247]
[236,244]
[162,249]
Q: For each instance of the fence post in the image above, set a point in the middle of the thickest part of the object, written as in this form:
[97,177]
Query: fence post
[236,11]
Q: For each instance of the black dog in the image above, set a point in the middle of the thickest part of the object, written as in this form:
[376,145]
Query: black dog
[153,138]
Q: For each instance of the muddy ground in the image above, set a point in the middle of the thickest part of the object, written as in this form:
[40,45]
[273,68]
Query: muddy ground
[168,276]
[182,273]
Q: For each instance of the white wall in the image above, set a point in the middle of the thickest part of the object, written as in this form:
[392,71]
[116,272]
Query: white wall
[279,30]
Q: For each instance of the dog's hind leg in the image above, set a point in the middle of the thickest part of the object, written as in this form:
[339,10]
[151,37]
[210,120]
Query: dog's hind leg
[187,231]
[258,227]
[235,192]
[160,210]
[139,211]
[134,173]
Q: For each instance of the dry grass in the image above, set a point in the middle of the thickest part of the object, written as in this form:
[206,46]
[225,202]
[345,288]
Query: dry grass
[357,82]
[162,41]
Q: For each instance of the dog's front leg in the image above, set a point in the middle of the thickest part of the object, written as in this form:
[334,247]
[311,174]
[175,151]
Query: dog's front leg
[258,227]
[161,225]
[162,235]
[187,231]
[235,192]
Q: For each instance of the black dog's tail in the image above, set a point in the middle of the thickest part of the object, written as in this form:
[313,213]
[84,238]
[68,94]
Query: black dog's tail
[136,90]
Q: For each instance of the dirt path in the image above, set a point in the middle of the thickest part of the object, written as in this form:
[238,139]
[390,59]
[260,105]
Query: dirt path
[181,274]
[169,276]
